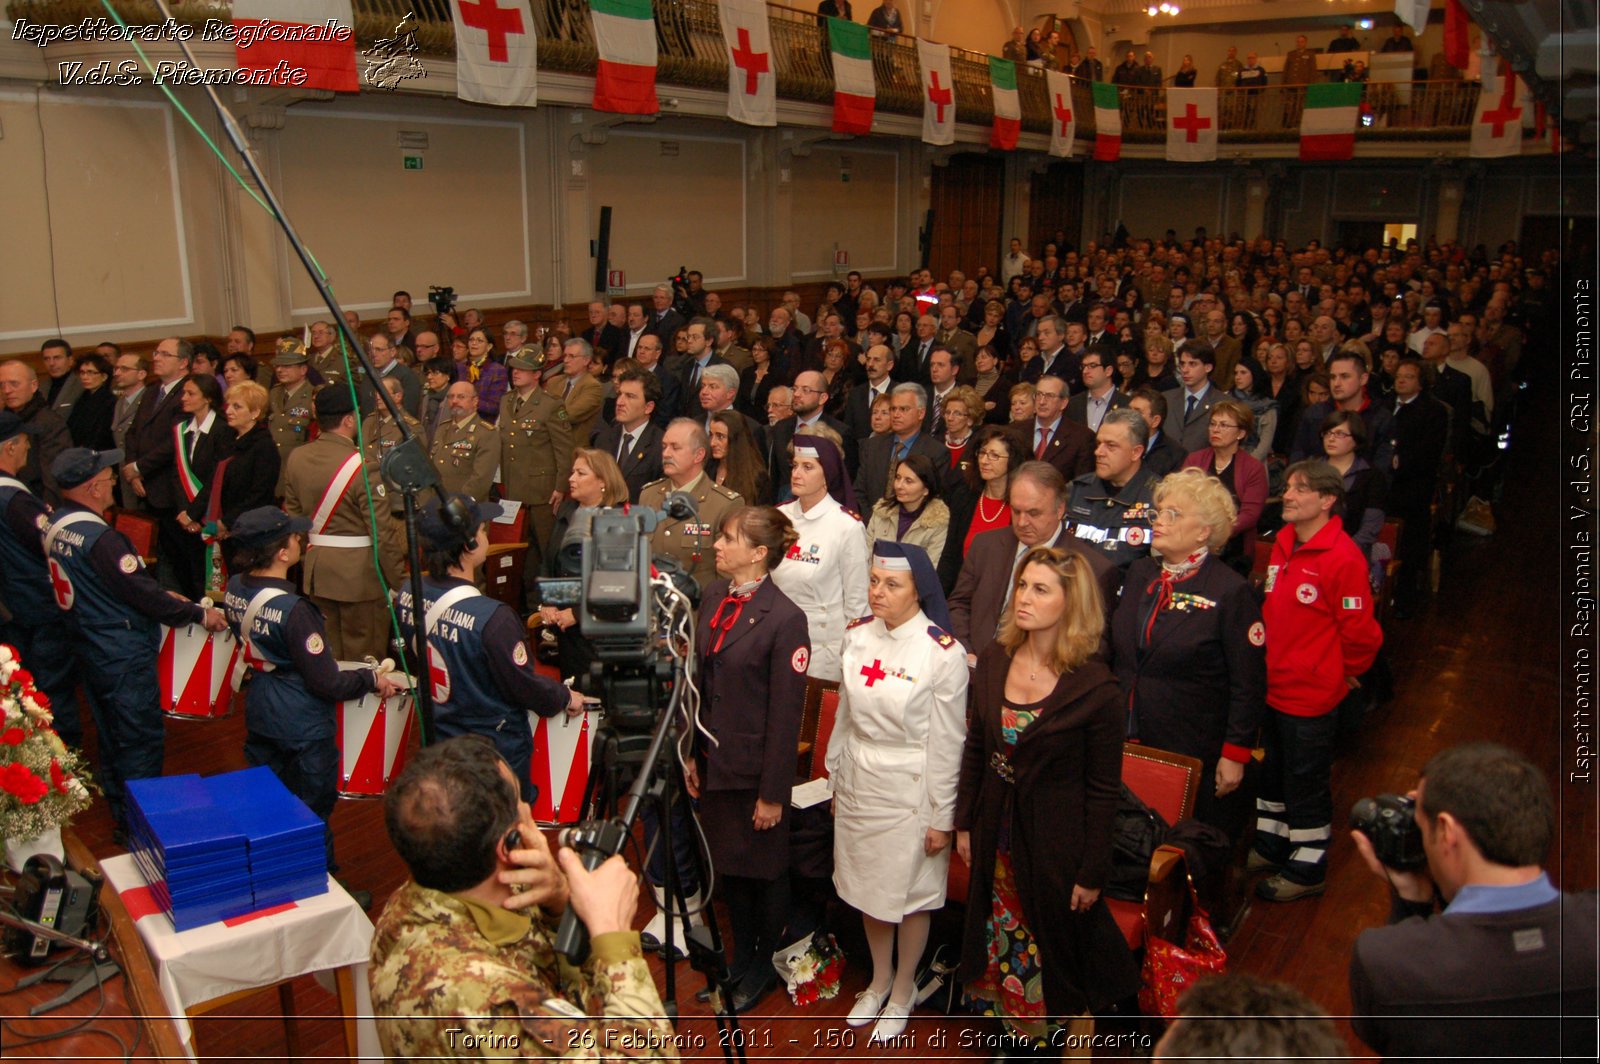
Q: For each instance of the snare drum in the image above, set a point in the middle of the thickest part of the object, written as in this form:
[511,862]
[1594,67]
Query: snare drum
[375,738]
[193,667]
[560,768]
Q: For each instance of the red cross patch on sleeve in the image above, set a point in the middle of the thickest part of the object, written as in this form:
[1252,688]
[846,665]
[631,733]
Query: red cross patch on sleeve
[801,659]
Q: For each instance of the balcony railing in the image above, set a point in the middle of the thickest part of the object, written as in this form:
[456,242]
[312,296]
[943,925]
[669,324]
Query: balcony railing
[692,54]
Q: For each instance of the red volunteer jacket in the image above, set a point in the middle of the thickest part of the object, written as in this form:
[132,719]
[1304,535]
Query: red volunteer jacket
[1319,620]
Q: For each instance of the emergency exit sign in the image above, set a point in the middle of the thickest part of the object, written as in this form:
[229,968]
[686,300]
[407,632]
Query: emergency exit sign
[412,162]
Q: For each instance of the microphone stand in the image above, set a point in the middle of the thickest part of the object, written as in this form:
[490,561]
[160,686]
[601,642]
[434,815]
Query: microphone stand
[407,463]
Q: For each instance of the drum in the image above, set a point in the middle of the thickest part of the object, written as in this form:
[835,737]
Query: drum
[193,667]
[560,768]
[375,738]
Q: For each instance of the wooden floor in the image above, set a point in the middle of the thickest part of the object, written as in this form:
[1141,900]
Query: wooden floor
[1479,662]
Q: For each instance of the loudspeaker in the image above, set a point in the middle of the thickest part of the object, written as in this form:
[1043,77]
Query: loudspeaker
[55,897]
[602,251]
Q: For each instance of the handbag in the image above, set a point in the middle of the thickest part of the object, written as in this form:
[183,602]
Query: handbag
[1170,969]
[937,987]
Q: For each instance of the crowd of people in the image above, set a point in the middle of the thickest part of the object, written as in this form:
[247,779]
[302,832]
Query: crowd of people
[1017,517]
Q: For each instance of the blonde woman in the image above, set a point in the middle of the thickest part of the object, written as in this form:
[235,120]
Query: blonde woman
[1040,779]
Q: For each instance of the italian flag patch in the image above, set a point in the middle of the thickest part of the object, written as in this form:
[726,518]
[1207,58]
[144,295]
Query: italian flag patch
[1351,603]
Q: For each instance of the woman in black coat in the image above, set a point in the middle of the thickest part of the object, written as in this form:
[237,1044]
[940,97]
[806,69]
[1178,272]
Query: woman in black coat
[757,380]
[1040,780]
[89,422]
[201,440]
[1188,645]
[246,479]
[754,648]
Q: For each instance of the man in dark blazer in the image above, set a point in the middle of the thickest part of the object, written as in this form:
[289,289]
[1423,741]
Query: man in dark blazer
[1421,428]
[810,392]
[634,439]
[1038,497]
[609,341]
[664,321]
[1507,968]
[700,354]
[1051,437]
[879,361]
[1100,396]
[647,352]
[1189,404]
[386,359]
[149,466]
[908,404]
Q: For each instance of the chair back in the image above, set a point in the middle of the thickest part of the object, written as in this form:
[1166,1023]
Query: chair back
[816,727]
[140,530]
[1164,781]
[1389,535]
[513,531]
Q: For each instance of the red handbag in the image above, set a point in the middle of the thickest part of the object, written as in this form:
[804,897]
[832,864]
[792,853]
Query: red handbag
[1170,969]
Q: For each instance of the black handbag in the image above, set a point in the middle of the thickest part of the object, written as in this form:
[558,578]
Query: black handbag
[1138,831]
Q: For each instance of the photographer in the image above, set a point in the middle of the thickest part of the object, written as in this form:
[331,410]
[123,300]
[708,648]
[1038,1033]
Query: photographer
[463,958]
[1490,974]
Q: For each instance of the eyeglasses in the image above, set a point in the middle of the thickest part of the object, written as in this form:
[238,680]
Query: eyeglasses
[1047,395]
[1223,425]
[995,456]
[1337,434]
[1169,515]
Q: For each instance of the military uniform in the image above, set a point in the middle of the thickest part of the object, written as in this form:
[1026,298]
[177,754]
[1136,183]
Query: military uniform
[446,969]
[329,365]
[691,542]
[338,569]
[1228,72]
[466,454]
[379,435]
[1113,520]
[118,610]
[291,418]
[535,455]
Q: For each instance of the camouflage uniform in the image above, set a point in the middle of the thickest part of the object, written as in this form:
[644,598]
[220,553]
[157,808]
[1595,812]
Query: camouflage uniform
[452,978]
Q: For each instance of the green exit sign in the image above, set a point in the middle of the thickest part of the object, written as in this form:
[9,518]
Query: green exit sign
[413,162]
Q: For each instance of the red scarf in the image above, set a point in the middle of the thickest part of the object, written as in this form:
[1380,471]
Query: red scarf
[737,601]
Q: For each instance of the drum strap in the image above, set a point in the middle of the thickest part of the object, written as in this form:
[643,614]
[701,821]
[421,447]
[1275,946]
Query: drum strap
[335,493]
[244,663]
[13,482]
[77,517]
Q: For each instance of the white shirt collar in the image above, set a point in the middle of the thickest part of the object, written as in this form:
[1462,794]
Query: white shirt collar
[204,426]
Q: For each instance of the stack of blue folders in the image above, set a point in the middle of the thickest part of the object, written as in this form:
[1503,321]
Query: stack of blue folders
[221,847]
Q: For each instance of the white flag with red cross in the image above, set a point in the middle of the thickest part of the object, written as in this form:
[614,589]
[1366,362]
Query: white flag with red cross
[1192,125]
[1497,123]
[496,52]
[938,93]
[1063,123]
[752,76]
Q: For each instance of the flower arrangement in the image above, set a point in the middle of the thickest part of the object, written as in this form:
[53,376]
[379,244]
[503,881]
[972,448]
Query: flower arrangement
[42,782]
[812,968]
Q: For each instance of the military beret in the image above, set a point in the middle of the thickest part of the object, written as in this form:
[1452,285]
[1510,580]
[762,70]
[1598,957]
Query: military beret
[334,400]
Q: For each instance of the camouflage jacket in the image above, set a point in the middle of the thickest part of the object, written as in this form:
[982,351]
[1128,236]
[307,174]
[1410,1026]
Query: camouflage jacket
[452,980]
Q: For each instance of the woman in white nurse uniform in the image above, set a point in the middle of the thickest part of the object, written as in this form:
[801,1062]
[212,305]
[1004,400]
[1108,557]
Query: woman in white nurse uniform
[895,759]
[825,572]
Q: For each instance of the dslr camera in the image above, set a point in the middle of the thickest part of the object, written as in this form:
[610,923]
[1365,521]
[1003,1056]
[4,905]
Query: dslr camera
[1389,822]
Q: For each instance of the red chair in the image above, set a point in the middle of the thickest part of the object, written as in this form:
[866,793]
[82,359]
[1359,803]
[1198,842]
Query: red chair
[140,530]
[1167,783]
[508,551]
[816,728]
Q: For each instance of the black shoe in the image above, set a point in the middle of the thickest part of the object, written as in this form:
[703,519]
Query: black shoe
[752,989]
[703,995]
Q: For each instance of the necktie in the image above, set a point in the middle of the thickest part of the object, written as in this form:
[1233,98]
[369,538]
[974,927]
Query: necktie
[625,446]
[1188,408]
[922,359]
[1044,441]
[694,377]
[568,389]
[938,408]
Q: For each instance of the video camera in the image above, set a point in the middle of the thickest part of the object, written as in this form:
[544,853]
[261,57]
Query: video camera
[680,293]
[442,298]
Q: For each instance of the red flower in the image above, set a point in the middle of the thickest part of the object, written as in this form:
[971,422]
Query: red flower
[16,780]
[58,778]
[23,677]
[41,698]
[12,737]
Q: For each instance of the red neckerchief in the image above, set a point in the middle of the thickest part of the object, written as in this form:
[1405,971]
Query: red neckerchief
[1161,587]
[721,627]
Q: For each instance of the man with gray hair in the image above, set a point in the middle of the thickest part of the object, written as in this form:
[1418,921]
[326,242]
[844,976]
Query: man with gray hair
[150,460]
[513,336]
[719,387]
[908,404]
[664,320]
[1111,509]
[577,388]
[19,391]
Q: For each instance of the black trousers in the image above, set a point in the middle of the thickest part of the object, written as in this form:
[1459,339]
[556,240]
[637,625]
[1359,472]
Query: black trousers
[1294,808]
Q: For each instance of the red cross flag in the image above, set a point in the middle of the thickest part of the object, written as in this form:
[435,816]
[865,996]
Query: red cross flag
[1063,123]
[938,93]
[1192,125]
[752,86]
[496,56]
[1497,125]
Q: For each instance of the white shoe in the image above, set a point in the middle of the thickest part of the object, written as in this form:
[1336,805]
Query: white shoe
[892,1023]
[868,1004]
[657,927]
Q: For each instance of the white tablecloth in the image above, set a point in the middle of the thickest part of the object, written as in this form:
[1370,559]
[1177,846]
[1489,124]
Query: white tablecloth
[316,935]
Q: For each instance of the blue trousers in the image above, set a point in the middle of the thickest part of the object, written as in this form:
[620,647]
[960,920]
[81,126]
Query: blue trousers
[119,669]
[685,843]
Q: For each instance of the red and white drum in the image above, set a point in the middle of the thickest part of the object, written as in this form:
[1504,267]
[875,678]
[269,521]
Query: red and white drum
[375,737]
[193,667]
[560,767]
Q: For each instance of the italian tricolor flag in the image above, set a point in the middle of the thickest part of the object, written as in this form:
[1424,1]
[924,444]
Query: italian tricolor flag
[1328,123]
[853,91]
[1107,123]
[1007,110]
[625,37]
[305,40]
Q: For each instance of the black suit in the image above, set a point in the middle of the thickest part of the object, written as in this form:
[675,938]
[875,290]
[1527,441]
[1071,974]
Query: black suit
[981,590]
[689,386]
[671,404]
[912,365]
[641,463]
[1071,446]
[872,480]
[665,324]
[783,433]
[610,342]
[1421,433]
[89,422]
[1078,406]
[1162,455]
[149,444]
[184,551]
[858,409]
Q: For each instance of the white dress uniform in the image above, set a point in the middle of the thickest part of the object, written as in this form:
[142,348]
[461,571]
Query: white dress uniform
[825,574]
[894,757]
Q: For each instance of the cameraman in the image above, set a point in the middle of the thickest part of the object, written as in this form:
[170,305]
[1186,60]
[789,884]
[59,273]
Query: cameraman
[463,959]
[1490,974]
